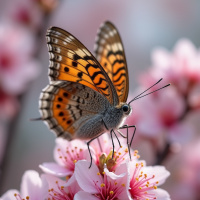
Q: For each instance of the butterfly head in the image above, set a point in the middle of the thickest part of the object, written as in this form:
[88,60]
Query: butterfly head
[126,108]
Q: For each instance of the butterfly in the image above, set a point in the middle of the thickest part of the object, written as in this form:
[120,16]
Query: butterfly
[87,94]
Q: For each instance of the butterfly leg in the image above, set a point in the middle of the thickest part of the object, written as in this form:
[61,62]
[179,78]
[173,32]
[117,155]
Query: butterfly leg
[88,145]
[129,144]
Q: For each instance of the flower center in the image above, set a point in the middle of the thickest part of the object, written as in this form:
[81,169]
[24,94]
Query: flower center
[141,184]
[112,163]
[108,190]
[70,156]
[60,193]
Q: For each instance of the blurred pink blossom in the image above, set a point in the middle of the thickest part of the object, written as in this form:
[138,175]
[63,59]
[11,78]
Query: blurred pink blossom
[24,12]
[17,65]
[181,67]
[32,186]
[9,105]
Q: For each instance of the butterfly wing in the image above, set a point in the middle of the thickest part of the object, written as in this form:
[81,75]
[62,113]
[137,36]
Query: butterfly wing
[65,106]
[71,61]
[110,54]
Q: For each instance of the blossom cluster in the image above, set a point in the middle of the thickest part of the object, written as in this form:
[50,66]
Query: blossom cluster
[19,29]
[108,178]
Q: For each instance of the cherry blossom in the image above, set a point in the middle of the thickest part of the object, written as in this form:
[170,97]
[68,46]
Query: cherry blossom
[106,185]
[66,155]
[144,181]
[62,190]
[17,66]
[103,152]
[32,187]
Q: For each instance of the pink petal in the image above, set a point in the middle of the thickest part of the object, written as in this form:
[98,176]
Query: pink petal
[87,177]
[34,186]
[160,173]
[9,195]
[72,183]
[84,195]
[161,194]
[55,169]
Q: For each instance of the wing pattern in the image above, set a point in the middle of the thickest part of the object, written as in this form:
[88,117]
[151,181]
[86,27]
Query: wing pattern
[71,61]
[110,54]
[65,106]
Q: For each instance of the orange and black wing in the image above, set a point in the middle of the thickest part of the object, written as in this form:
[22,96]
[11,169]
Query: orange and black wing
[71,61]
[65,106]
[110,54]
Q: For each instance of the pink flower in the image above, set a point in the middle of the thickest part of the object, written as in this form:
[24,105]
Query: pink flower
[27,13]
[144,181]
[103,152]
[159,113]
[66,154]
[32,187]
[96,185]
[17,67]
[9,105]
[62,190]
[181,67]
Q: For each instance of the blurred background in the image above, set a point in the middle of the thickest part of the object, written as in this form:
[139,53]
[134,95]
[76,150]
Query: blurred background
[143,26]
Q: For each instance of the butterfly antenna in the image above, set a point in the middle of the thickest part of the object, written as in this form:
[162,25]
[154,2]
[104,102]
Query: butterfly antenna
[139,96]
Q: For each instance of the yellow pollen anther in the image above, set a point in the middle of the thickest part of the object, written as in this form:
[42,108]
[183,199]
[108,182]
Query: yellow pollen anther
[155,187]
[126,150]
[60,156]
[147,182]
[140,176]
[153,176]
[58,149]
[62,187]
[138,156]
[102,185]
[81,149]
[75,147]
[119,153]
[157,182]
[72,151]
[147,185]
[15,194]
[111,192]
[140,188]
[141,172]
[136,151]
[147,199]
[137,179]
[121,147]
[98,173]
[145,175]
[136,164]
[115,183]
[75,161]
[56,182]
[27,197]
[67,177]
[123,185]
[142,164]
[103,173]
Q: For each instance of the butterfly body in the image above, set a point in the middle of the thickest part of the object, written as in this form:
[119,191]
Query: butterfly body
[86,95]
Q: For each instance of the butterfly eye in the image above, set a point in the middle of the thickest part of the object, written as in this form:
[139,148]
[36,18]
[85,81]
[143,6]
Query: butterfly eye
[125,108]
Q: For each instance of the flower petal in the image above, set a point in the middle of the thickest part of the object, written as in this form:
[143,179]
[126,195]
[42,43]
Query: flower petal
[84,195]
[55,169]
[161,194]
[9,195]
[34,186]
[87,177]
